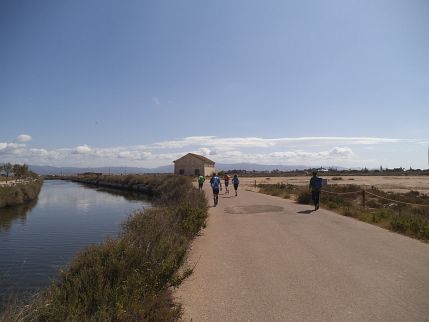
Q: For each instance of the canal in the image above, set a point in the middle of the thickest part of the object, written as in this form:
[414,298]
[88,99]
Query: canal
[38,238]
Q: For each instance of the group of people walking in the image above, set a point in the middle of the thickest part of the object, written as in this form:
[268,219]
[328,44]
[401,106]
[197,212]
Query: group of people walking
[216,185]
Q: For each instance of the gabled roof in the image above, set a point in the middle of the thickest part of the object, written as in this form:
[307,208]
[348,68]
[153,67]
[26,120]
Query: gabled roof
[200,157]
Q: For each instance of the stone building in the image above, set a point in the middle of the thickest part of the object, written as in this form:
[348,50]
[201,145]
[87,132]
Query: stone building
[194,165]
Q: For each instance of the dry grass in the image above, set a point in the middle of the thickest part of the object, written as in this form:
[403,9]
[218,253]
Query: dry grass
[130,278]
[19,193]
[406,219]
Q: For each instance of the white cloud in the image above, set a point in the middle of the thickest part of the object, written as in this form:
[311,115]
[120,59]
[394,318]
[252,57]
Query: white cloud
[304,150]
[23,138]
[341,152]
[254,142]
[39,152]
[11,148]
[83,149]
[134,155]
[206,151]
[181,143]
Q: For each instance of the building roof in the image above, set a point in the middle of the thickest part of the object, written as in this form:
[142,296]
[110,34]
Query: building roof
[200,157]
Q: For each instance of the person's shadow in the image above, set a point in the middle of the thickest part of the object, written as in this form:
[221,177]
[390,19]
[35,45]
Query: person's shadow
[307,212]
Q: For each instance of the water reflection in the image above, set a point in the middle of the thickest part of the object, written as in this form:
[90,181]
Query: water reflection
[37,238]
[9,215]
[128,195]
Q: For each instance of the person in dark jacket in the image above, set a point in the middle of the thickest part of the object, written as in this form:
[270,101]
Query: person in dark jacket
[315,186]
[235,182]
[226,180]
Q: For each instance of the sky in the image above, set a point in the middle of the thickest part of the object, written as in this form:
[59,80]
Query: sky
[140,83]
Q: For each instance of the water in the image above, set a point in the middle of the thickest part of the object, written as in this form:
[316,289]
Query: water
[38,238]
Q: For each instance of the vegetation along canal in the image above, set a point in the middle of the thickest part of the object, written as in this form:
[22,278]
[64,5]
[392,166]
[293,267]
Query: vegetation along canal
[38,238]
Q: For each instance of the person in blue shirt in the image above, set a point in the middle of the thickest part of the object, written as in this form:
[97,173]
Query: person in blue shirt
[235,182]
[315,186]
[216,185]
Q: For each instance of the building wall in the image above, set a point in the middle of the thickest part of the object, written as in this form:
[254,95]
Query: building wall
[208,170]
[189,164]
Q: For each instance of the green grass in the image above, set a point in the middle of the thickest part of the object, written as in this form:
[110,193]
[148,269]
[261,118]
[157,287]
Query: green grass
[129,278]
[409,220]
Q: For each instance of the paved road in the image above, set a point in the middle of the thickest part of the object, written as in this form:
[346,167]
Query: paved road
[263,258]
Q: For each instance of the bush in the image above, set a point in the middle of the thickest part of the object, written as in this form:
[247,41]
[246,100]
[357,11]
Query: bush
[347,211]
[304,197]
[410,224]
[372,203]
[19,193]
[278,190]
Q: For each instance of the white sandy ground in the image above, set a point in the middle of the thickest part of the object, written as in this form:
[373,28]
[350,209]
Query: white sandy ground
[14,181]
[263,258]
[8,183]
[386,183]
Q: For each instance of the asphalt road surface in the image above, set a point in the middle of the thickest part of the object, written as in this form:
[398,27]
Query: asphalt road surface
[263,258]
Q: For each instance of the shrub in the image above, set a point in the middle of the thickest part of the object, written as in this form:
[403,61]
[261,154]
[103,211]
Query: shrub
[330,204]
[399,224]
[279,190]
[347,211]
[19,193]
[411,224]
[372,203]
[304,197]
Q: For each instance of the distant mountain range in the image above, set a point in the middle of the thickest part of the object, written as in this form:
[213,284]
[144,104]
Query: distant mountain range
[48,170]
[259,167]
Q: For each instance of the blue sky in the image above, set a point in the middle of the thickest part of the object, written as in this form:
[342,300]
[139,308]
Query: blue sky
[140,83]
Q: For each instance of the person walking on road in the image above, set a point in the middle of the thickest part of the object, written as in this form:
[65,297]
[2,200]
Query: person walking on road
[216,185]
[201,180]
[315,186]
[235,182]
[226,180]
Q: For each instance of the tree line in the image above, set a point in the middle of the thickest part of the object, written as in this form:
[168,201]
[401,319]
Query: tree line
[19,171]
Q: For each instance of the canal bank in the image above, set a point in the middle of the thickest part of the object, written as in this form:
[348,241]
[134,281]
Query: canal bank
[19,192]
[130,277]
[137,183]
